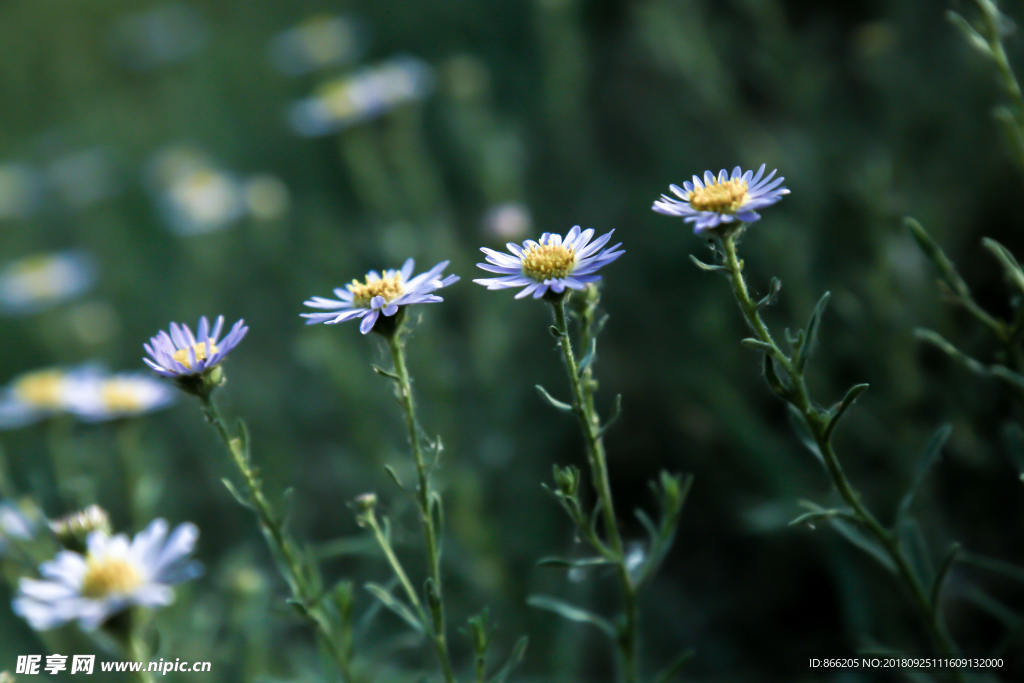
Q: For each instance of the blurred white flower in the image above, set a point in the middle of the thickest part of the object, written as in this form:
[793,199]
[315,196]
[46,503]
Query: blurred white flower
[320,41]
[508,221]
[366,94]
[114,574]
[96,396]
[195,196]
[35,395]
[266,197]
[38,282]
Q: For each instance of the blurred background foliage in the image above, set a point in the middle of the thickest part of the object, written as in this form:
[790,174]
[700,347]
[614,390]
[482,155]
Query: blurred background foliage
[523,117]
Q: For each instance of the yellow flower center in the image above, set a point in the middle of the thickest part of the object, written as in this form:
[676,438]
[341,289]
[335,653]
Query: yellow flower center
[719,197]
[181,355]
[42,389]
[40,276]
[547,261]
[119,396]
[362,292]
[109,576]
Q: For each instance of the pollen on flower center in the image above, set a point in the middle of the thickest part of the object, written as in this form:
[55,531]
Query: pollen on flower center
[41,389]
[363,292]
[725,197]
[120,396]
[109,576]
[548,261]
[181,355]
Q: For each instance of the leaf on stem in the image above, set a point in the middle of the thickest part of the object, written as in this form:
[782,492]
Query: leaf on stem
[931,453]
[810,338]
[708,268]
[757,345]
[974,39]
[437,518]
[1013,132]
[588,357]
[858,538]
[395,605]
[774,287]
[242,500]
[1007,260]
[570,563]
[616,413]
[844,405]
[943,573]
[933,251]
[803,432]
[394,477]
[514,659]
[670,672]
[819,514]
[772,376]
[1010,571]
[552,401]
[385,373]
[916,548]
[571,612]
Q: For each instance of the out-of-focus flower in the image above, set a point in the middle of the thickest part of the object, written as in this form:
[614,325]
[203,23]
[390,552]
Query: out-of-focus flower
[97,396]
[722,199]
[83,178]
[551,264]
[182,354]
[318,42]
[166,34]
[21,188]
[74,529]
[386,294]
[34,395]
[113,575]
[14,524]
[38,282]
[508,221]
[195,196]
[266,197]
[366,94]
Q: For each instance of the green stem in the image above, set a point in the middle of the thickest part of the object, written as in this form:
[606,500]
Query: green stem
[288,556]
[583,407]
[799,397]
[423,501]
[396,565]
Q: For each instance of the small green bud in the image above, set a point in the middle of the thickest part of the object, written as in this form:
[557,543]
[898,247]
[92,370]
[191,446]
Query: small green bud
[567,480]
[364,505]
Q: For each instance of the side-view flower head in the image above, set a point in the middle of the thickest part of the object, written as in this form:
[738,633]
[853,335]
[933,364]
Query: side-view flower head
[722,199]
[552,263]
[183,354]
[379,294]
[114,574]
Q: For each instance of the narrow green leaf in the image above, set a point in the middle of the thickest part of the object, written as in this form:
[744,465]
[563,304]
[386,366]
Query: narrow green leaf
[648,524]
[588,357]
[242,500]
[809,518]
[937,340]
[933,251]
[811,337]
[396,606]
[864,542]
[616,413]
[916,549]
[571,612]
[1007,375]
[772,377]
[670,672]
[552,401]
[1010,571]
[757,345]
[385,373]
[1007,260]
[803,432]
[774,287]
[514,659]
[931,453]
[943,573]
[844,405]
[974,39]
[709,268]
[1012,131]
[565,562]
[394,476]
[437,515]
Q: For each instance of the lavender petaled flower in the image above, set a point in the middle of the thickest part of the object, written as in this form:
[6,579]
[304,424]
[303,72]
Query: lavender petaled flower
[183,354]
[722,199]
[552,263]
[379,294]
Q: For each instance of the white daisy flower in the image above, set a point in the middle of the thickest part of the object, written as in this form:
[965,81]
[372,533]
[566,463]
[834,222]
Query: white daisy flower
[42,281]
[114,574]
[97,396]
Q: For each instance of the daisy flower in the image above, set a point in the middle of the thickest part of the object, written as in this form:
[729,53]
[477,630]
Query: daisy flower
[36,283]
[553,263]
[723,199]
[97,396]
[114,574]
[38,394]
[379,294]
[183,354]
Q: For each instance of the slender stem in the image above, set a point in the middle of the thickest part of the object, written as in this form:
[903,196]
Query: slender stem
[799,396]
[396,565]
[423,500]
[288,556]
[583,407]
[137,650]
